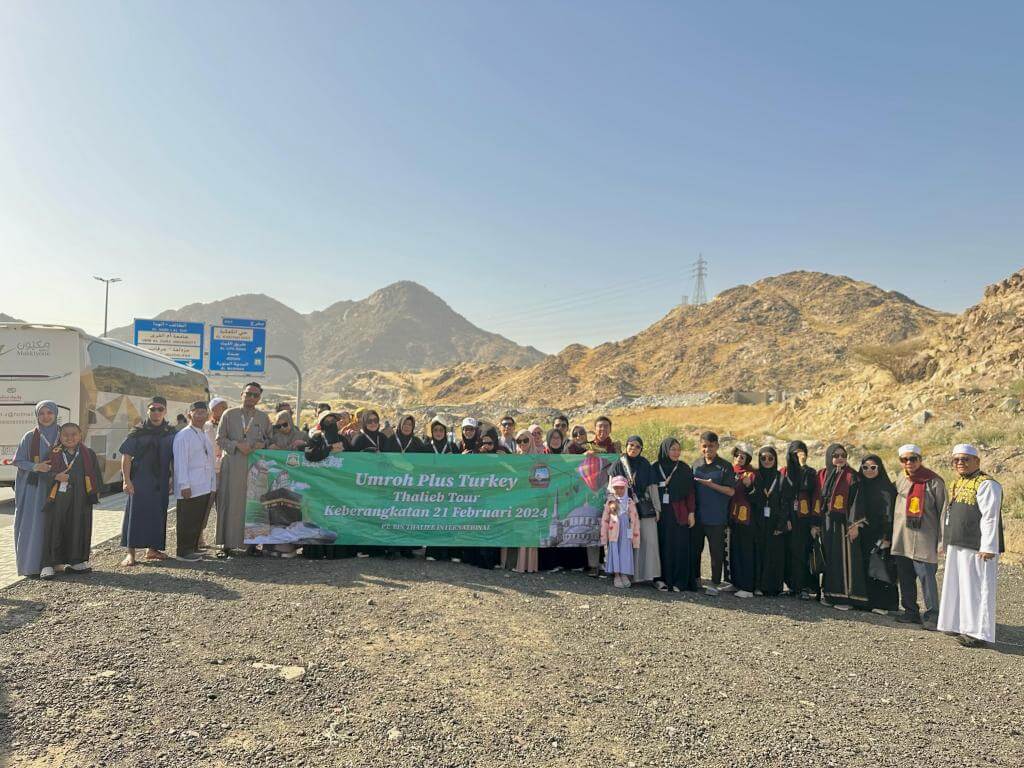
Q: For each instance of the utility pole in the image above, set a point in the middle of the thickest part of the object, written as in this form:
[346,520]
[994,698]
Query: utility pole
[106,299]
[699,274]
[298,373]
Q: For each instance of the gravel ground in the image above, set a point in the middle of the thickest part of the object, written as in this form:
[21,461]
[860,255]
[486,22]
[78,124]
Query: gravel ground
[254,662]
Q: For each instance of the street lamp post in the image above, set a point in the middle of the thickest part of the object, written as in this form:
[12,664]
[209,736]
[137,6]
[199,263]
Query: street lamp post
[106,299]
[298,373]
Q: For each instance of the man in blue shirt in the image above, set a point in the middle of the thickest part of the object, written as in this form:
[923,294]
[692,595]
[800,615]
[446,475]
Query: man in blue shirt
[715,486]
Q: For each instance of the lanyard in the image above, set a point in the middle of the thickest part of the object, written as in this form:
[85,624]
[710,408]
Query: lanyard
[70,464]
[202,439]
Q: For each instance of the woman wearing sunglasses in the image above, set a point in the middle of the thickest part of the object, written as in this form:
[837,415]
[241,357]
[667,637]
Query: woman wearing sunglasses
[844,583]
[876,499]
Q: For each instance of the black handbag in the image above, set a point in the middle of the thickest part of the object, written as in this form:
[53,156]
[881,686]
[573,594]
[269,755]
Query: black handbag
[816,561]
[881,566]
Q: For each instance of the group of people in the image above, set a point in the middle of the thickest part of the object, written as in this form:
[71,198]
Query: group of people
[851,538]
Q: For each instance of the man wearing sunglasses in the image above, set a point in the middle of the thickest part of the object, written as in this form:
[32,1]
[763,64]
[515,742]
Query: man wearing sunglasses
[921,497]
[508,434]
[972,532]
[241,431]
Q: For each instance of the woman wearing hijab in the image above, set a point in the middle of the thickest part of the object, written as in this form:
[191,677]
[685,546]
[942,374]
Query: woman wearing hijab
[578,443]
[771,523]
[34,459]
[876,499]
[484,557]
[643,489]
[521,559]
[369,438]
[470,435]
[674,478]
[844,583]
[801,500]
[284,436]
[325,439]
[743,562]
[537,436]
[440,443]
[405,440]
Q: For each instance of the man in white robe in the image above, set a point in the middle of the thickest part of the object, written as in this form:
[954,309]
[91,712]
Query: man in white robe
[972,533]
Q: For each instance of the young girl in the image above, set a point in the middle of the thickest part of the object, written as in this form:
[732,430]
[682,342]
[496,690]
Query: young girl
[68,511]
[620,531]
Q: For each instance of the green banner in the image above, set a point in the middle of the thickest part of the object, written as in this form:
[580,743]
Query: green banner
[425,499]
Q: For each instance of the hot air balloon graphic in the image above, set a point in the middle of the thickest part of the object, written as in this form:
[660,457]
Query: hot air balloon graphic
[593,470]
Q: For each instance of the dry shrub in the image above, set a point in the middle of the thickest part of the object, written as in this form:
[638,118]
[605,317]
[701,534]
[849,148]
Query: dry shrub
[903,361]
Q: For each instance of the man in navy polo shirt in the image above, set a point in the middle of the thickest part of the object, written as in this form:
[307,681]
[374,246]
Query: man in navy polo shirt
[715,486]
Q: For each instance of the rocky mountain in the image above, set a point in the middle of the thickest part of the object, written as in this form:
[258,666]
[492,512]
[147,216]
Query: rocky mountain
[793,332]
[8,319]
[401,327]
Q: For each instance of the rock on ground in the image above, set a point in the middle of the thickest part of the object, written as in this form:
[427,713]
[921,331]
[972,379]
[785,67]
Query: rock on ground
[259,662]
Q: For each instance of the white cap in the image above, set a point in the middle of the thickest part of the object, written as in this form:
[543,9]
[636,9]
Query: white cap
[217,401]
[909,450]
[965,449]
[469,421]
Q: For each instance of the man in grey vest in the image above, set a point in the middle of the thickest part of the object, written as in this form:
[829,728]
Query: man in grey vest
[972,533]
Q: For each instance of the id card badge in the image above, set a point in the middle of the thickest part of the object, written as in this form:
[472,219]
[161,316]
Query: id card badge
[664,498]
[767,511]
[63,487]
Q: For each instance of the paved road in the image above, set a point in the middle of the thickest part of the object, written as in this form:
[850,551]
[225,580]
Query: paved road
[106,523]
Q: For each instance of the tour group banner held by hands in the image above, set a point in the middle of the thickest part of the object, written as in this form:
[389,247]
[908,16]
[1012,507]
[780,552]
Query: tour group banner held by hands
[426,499]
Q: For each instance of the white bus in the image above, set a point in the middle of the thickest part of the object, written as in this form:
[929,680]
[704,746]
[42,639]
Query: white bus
[101,384]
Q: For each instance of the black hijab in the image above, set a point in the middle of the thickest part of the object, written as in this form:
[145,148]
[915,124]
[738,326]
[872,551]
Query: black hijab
[766,476]
[681,483]
[796,475]
[831,473]
[877,492]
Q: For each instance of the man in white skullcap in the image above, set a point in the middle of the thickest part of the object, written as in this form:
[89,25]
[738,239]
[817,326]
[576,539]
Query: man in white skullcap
[921,497]
[972,533]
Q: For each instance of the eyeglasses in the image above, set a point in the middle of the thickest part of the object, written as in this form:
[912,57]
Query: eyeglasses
[522,441]
[487,443]
[838,455]
[157,408]
[508,423]
[251,394]
[962,459]
[868,468]
[579,434]
[766,457]
[909,459]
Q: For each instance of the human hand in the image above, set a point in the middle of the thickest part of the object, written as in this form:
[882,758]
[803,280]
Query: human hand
[691,520]
[244,448]
[42,466]
[853,534]
[186,493]
[985,555]
[884,544]
[789,525]
[815,530]
[63,477]
[337,447]
[129,487]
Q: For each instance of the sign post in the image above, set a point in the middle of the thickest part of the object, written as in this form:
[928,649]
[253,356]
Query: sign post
[179,340]
[238,346]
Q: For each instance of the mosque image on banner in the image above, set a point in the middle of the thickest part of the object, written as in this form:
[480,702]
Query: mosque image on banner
[425,499]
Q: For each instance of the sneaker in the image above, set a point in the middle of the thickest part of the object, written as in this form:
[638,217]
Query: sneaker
[843,607]
[456,559]
[826,603]
[47,573]
[805,595]
[82,567]
[758,593]
[191,557]
[711,591]
[431,559]
[909,618]
[556,569]
[743,593]
[725,586]
[362,554]
[880,611]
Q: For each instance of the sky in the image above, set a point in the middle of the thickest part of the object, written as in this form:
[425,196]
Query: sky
[551,169]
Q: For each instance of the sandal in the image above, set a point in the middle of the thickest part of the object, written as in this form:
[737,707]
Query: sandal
[158,556]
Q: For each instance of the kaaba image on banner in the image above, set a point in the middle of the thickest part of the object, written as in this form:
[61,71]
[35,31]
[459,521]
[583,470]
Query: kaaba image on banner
[282,507]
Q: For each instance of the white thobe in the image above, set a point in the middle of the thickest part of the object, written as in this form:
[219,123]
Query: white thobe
[193,463]
[968,604]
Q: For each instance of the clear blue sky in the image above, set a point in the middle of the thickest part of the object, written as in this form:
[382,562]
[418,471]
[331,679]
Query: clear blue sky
[549,168]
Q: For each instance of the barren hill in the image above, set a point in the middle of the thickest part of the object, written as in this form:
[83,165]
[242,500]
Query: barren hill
[401,327]
[792,331]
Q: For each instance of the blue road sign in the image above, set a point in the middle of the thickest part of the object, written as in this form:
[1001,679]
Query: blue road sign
[241,322]
[238,349]
[179,340]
